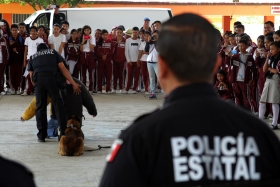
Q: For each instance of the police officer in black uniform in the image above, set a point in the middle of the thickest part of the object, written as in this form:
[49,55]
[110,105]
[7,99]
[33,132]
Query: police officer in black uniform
[195,139]
[45,67]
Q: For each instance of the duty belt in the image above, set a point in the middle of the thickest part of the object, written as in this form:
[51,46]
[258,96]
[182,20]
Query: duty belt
[45,74]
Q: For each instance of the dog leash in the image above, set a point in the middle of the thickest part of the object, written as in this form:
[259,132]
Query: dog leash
[99,147]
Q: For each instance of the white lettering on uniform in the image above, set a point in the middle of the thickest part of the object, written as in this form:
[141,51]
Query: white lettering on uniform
[191,145]
[230,158]
[196,170]
[178,144]
[180,166]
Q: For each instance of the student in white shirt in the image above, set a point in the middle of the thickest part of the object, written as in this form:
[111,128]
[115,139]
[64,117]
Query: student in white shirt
[31,44]
[57,40]
[131,53]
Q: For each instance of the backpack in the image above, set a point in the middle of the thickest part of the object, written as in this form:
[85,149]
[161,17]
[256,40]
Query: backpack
[52,128]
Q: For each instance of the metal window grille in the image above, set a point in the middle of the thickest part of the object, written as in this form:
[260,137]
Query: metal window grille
[17,18]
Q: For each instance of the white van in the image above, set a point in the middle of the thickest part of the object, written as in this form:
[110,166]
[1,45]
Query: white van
[99,18]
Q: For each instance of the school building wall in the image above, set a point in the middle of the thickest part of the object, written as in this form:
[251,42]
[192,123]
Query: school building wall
[224,13]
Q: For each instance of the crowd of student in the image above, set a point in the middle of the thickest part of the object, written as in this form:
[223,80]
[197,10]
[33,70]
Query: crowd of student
[114,58]
[249,73]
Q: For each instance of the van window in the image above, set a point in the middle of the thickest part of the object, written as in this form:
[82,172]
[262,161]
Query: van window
[42,19]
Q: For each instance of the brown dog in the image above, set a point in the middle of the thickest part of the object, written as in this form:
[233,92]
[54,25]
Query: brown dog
[72,143]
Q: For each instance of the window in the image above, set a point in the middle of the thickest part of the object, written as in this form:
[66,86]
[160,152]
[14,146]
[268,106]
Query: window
[42,19]
[18,18]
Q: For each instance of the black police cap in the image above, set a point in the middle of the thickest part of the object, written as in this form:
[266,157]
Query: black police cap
[42,46]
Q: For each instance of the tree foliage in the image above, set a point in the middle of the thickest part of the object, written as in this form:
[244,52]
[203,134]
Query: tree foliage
[42,4]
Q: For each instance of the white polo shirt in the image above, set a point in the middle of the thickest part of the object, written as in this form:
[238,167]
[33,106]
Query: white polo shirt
[153,54]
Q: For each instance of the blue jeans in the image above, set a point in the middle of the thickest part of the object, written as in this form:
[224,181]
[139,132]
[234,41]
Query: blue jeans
[153,70]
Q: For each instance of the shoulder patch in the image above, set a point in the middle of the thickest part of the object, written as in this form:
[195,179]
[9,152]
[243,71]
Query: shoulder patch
[114,150]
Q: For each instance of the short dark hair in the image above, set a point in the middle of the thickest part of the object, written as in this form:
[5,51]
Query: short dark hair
[79,29]
[277,32]
[269,23]
[43,27]
[56,25]
[98,30]
[22,24]
[243,42]
[135,29]
[120,28]
[64,22]
[14,26]
[157,22]
[232,35]
[33,27]
[269,34]
[276,44]
[155,31]
[188,45]
[240,26]
[237,23]
[269,38]
[147,32]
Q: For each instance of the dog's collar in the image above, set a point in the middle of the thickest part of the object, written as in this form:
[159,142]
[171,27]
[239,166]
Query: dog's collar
[73,126]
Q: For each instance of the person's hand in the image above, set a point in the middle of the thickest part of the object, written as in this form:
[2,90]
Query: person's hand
[138,63]
[90,37]
[21,119]
[268,54]
[76,88]
[104,57]
[129,63]
[12,42]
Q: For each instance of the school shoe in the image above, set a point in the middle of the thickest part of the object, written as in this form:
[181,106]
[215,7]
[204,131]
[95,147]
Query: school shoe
[146,93]
[18,92]
[153,96]
[113,91]
[41,140]
[99,92]
[109,92]
[3,93]
[24,93]
[13,92]
[134,92]
[273,127]
[124,92]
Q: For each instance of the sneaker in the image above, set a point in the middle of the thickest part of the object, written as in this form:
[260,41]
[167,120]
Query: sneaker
[124,92]
[153,96]
[24,93]
[113,91]
[94,91]
[90,92]
[18,92]
[134,92]
[13,92]
[3,93]
[109,92]
[147,93]
[99,92]
[158,91]
[139,91]
[273,127]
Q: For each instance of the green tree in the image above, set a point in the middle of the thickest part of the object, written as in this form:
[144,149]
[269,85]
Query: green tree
[42,4]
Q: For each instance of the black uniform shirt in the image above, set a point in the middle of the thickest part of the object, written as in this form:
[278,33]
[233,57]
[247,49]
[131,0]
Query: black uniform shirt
[195,139]
[58,18]
[45,61]
[14,174]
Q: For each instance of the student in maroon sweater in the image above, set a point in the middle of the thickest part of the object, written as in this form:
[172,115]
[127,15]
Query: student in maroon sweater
[3,61]
[241,74]
[16,58]
[118,60]
[104,52]
[223,87]
[72,50]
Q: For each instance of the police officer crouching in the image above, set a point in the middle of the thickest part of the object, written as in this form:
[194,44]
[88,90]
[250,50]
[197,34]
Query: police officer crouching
[45,67]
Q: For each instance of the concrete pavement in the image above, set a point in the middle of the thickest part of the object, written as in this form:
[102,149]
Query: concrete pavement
[18,140]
